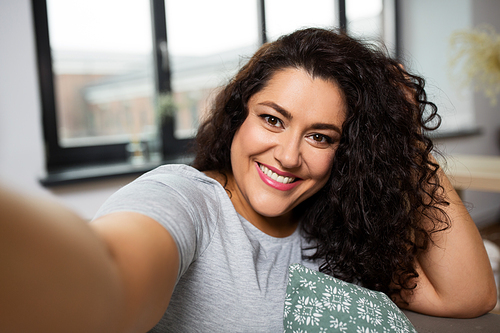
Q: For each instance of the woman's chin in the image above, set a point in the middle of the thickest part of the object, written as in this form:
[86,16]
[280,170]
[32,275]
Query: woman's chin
[274,212]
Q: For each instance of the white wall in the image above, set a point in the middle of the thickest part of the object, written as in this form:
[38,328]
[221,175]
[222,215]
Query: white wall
[21,147]
[426,29]
[21,144]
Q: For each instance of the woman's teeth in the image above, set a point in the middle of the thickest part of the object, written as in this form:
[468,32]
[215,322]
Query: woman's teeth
[275,176]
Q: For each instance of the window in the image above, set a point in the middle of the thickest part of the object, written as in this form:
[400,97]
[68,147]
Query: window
[125,83]
[217,44]
[96,78]
[298,14]
[373,19]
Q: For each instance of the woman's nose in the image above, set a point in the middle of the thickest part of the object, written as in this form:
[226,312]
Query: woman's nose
[288,151]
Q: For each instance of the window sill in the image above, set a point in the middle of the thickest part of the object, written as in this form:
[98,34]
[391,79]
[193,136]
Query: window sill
[473,131]
[105,171]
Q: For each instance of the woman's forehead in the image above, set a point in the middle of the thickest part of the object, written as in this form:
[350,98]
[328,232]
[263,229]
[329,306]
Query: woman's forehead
[296,91]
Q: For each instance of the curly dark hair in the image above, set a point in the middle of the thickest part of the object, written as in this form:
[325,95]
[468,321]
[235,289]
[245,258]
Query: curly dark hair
[367,222]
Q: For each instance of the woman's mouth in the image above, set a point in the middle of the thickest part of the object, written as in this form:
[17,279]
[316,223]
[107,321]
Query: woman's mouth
[282,181]
[273,175]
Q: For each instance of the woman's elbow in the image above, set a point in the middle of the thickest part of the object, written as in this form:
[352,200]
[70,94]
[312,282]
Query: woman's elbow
[482,302]
[490,295]
[491,299]
[466,301]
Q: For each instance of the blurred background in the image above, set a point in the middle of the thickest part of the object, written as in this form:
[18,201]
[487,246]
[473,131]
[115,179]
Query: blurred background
[95,92]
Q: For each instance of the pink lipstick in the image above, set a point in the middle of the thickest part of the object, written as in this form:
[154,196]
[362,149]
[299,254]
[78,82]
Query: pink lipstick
[283,181]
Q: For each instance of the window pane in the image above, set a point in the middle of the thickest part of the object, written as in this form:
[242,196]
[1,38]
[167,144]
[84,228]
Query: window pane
[103,78]
[374,20]
[285,16]
[206,42]
[365,18]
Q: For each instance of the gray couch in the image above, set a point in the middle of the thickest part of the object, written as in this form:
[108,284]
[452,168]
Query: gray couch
[489,323]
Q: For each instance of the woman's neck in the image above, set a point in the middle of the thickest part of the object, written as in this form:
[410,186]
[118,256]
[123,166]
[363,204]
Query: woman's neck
[276,226]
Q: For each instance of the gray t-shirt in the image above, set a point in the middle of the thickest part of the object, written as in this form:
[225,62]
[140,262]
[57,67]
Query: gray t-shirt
[232,276]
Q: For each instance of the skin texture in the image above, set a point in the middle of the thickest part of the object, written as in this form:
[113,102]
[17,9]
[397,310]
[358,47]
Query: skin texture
[293,126]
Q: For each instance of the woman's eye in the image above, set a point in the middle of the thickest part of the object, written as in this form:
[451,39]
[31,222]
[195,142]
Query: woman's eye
[273,121]
[320,138]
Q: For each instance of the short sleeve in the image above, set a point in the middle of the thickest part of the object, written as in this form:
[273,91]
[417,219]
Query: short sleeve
[184,203]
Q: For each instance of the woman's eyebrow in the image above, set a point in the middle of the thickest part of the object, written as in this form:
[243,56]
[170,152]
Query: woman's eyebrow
[327,127]
[289,116]
[279,109]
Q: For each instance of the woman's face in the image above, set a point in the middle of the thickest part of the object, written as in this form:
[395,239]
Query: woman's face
[282,154]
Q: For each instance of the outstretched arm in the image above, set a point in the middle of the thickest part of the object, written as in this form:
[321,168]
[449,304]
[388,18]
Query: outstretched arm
[455,276]
[60,274]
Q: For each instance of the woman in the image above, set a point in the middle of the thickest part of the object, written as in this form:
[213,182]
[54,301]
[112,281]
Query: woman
[314,153]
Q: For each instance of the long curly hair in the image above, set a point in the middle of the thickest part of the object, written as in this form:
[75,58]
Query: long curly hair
[367,222]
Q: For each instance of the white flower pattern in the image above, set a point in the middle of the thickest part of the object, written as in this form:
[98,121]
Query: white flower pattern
[305,283]
[338,325]
[288,306]
[396,324]
[362,329]
[369,311]
[308,311]
[336,299]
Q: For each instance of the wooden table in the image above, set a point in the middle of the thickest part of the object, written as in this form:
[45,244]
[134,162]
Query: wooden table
[473,172]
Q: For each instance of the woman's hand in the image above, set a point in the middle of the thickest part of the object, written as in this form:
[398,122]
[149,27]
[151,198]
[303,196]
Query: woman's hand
[60,274]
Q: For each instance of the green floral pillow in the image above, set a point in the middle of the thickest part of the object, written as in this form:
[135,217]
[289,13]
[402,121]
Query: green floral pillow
[316,302]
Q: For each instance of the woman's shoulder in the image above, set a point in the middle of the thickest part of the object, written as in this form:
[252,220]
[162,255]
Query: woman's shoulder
[168,188]
[180,176]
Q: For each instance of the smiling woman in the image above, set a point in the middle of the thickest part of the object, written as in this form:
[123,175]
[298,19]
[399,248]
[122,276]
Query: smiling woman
[387,213]
[313,154]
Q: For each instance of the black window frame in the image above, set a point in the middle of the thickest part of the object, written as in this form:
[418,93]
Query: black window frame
[61,161]
[59,158]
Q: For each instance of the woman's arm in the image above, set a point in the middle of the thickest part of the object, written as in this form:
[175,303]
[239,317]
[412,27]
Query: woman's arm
[60,274]
[455,275]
